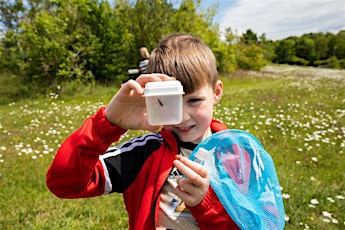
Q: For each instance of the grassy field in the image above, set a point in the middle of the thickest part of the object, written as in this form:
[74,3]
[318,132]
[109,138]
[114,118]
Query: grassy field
[297,113]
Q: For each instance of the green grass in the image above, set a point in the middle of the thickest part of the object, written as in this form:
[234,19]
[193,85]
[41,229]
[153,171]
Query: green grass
[297,113]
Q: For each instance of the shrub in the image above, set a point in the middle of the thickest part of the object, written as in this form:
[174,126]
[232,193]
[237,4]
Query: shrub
[249,57]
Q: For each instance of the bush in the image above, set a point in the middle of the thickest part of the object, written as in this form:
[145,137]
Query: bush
[333,62]
[249,57]
[342,63]
[225,56]
[299,61]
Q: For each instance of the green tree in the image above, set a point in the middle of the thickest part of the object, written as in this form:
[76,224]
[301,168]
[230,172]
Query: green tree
[305,49]
[268,47]
[316,49]
[249,52]
[225,53]
[149,21]
[249,37]
[199,22]
[146,21]
[107,54]
[333,62]
[269,51]
[339,52]
[249,57]
[285,51]
[75,40]
[49,42]
[321,46]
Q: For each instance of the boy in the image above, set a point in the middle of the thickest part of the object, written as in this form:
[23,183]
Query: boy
[148,170]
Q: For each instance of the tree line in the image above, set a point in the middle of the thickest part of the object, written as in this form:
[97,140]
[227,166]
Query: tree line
[313,49]
[46,43]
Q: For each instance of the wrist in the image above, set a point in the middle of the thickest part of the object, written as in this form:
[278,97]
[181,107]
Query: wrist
[104,128]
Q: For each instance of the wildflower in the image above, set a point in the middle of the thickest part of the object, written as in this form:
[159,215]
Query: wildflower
[314,201]
[335,221]
[286,196]
[314,159]
[327,214]
[330,199]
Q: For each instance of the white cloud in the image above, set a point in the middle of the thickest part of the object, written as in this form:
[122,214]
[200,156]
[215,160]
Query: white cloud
[280,19]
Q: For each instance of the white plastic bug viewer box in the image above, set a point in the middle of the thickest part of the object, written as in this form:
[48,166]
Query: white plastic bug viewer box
[164,102]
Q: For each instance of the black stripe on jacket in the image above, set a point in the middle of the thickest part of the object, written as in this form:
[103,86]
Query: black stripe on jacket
[124,162]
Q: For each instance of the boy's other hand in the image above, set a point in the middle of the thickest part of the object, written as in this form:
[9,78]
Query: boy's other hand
[127,109]
[194,187]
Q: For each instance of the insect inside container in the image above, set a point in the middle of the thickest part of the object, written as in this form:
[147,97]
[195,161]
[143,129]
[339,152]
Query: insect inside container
[160,102]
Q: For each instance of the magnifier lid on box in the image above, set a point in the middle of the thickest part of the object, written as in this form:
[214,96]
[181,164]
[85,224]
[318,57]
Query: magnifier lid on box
[163,88]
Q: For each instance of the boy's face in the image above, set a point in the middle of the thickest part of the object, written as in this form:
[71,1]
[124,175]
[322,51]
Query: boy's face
[197,114]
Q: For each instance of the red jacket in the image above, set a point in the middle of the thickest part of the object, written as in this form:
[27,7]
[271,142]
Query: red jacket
[85,166]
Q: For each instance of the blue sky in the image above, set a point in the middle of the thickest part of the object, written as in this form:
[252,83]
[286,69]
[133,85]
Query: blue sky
[280,19]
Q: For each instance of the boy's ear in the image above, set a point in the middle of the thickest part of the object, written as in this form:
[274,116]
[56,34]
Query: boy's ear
[218,91]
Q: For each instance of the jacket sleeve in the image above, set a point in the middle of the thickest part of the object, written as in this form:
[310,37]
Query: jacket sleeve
[210,213]
[76,170]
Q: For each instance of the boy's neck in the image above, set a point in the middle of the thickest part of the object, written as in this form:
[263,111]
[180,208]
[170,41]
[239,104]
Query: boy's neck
[187,145]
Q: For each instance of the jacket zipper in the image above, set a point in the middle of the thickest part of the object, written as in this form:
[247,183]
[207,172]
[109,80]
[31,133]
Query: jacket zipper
[153,208]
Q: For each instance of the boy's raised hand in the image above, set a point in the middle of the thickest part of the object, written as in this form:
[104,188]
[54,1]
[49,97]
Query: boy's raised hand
[193,188]
[127,109]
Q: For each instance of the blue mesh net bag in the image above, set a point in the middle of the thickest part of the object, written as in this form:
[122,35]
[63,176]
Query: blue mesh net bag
[244,178]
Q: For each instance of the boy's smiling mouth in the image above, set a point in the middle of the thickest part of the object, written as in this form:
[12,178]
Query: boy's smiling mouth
[185,129]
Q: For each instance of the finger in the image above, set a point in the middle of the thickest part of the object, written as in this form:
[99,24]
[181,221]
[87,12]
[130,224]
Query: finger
[193,176]
[185,185]
[196,167]
[186,197]
[132,86]
[160,76]
[145,78]
[189,193]
[185,188]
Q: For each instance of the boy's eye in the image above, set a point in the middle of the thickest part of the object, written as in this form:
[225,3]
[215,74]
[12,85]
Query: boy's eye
[194,100]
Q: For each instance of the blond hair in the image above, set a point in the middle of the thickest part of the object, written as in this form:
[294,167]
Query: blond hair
[187,58]
[144,52]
